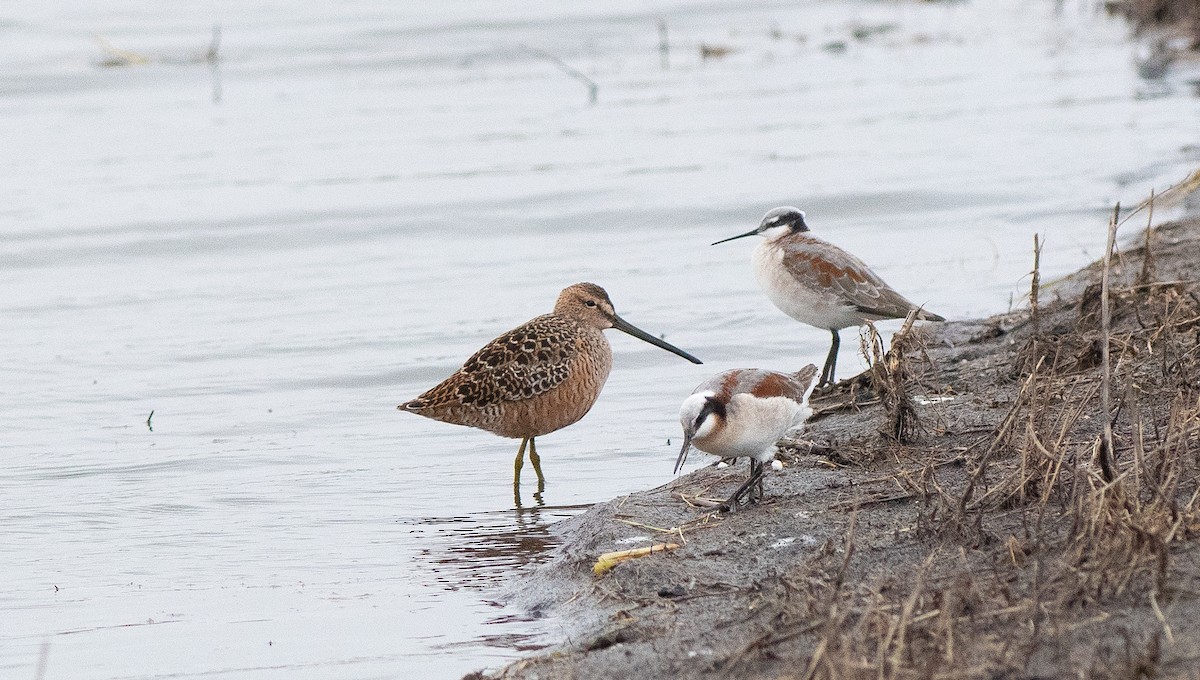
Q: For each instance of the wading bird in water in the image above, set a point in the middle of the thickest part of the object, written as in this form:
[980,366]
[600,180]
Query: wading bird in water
[742,413]
[818,283]
[537,378]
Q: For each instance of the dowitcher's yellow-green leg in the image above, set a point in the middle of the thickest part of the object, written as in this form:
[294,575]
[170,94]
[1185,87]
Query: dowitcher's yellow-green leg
[537,463]
[517,465]
[537,467]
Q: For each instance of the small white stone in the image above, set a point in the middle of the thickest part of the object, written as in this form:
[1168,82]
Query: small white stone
[722,465]
[633,539]
[777,465]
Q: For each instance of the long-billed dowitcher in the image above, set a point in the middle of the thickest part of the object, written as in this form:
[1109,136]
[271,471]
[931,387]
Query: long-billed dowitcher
[742,413]
[818,283]
[537,378]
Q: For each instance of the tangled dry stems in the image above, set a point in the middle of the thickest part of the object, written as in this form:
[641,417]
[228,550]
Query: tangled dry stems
[1029,543]
[1181,14]
[891,377]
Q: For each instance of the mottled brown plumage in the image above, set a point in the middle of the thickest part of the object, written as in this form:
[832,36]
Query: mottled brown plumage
[537,378]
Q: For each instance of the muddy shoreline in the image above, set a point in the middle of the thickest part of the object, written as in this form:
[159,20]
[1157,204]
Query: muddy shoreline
[946,513]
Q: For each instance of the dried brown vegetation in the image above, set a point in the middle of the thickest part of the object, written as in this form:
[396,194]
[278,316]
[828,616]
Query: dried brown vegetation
[1180,14]
[1032,544]
[891,379]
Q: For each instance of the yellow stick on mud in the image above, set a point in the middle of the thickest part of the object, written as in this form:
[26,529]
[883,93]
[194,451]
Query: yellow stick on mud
[611,559]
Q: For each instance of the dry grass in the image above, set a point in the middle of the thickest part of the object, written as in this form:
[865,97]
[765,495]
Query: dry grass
[891,379]
[1181,14]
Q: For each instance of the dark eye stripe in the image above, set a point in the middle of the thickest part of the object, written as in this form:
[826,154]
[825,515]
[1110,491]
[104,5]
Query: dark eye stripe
[713,406]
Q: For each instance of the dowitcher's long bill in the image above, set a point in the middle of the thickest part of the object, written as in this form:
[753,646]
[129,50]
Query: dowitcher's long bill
[818,283]
[626,327]
[537,378]
[743,413]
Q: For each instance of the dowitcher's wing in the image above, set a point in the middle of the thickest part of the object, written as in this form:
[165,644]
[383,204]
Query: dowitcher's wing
[528,360]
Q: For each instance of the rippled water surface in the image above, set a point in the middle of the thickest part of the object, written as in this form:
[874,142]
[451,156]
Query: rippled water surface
[382,188]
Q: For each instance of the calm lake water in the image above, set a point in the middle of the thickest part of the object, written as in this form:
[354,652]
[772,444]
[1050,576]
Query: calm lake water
[382,188]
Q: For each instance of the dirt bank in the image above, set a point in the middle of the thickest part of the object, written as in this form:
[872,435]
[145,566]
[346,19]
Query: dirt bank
[965,522]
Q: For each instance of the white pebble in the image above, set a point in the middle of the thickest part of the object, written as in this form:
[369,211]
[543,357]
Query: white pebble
[777,465]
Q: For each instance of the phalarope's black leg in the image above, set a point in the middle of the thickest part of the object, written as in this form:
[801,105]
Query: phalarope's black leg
[830,361]
[756,473]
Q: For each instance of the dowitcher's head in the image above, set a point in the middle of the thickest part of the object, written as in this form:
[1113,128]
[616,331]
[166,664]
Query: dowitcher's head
[589,305]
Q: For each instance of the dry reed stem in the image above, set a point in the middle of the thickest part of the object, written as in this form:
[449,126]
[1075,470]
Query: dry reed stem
[608,560]
[889,375]
[1005,425]
[1106,451]
[1169,197]
[1147,272]
[1034,286]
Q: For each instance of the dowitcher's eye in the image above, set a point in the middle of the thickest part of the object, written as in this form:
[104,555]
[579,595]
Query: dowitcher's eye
[590,303]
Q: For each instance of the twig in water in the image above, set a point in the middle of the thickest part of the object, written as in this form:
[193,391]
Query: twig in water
[43,657]
[120,57]
[213,57]
[214,47]
[593,88]
[664,47]
[1106,446]
[148,425]
[117,57]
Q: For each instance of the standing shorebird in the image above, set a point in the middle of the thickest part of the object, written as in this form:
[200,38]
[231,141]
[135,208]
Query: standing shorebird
[537,378]
[817,283]
[742,413]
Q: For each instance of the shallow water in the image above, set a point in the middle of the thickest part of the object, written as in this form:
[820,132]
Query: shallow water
[378,192]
